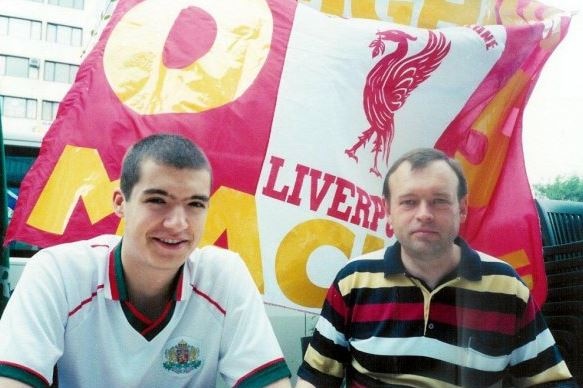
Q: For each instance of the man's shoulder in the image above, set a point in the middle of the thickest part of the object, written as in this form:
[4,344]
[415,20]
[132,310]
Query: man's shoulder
[368,262]
[213,254]
[95,244]
[81,252]
[210,260]
[493,265]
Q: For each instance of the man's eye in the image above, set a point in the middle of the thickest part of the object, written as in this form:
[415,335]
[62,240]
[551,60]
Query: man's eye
[441,203]
[155,200]
[197,205]
[408,202]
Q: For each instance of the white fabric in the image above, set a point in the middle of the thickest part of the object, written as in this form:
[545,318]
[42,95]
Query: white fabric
[63,306]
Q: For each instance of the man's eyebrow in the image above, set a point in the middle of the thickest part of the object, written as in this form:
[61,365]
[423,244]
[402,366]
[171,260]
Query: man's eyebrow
[155,191]
[203,198]
[197,197]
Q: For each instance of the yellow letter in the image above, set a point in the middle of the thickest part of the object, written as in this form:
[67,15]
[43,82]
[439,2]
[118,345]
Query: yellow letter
[498,115]
[79,173]
[295,250]
[134,66]
[519,259]
[435,11]
[235,213]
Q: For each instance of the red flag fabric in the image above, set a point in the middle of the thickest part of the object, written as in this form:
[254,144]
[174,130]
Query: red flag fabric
[301,113]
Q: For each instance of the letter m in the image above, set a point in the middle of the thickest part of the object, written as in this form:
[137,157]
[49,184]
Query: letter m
[78,174]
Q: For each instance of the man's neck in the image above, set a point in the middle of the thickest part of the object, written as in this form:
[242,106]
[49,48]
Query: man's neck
[431,269]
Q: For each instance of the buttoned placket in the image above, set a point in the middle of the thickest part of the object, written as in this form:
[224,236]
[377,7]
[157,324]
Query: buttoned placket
[427,296]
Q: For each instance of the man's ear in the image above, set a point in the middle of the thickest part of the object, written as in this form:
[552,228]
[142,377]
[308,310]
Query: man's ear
[463,209]
[387,210]
[118,203]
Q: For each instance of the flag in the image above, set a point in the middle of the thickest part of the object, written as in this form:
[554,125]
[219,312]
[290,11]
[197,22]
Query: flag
[301,112]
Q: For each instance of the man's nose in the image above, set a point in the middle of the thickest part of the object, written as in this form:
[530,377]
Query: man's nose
[424,212]
[176,219]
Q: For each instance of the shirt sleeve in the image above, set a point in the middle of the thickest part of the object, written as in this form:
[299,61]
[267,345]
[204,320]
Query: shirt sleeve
[33,324]
[250,353]
[536,359]
[327,354]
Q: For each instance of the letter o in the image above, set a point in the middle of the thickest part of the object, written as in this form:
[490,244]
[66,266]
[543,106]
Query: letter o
[133,64]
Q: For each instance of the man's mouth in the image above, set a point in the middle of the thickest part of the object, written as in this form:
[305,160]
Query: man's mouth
[170,241]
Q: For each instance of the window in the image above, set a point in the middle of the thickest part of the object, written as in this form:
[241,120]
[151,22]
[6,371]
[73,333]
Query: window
[49,111]
[18,107]
[18,161]
[78,4]
[20,28]
[61,34]
[18,67]
[60,72]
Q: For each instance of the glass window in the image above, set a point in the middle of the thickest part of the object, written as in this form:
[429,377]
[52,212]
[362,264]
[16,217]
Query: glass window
[18,107]
[60,72]
[14,66]
[18,161]
[58,33]
[3,25]
[30,108]
[78,4]
[20,28]
[76,37]
[35,30]
[49,111]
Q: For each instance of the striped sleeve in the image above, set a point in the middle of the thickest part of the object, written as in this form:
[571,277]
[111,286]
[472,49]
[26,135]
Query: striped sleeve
[328,352]
[536,359]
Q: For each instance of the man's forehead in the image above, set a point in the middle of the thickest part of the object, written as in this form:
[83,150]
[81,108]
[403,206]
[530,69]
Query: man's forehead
[437,173]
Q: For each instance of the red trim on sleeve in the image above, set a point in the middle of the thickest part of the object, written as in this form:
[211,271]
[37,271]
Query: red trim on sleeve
[25,369]
[259,368]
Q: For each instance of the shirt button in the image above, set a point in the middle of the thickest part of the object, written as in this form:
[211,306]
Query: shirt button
[430,326]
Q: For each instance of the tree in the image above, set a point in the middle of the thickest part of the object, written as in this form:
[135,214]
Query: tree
[562,188]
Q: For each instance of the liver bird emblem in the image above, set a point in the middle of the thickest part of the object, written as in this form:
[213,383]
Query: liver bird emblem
[390,82]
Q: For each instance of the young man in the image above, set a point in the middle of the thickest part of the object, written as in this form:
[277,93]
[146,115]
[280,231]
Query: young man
[429,311]
[149,309]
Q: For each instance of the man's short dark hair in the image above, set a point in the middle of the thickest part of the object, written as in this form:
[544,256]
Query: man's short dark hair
[165,149]
[419,158]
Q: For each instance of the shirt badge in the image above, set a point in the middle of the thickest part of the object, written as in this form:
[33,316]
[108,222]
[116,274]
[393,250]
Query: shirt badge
[182,357]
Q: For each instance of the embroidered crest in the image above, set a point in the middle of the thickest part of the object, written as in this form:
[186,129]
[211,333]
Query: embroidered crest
[182,358]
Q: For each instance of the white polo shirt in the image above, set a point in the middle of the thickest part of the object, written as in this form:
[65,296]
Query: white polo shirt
[70,308]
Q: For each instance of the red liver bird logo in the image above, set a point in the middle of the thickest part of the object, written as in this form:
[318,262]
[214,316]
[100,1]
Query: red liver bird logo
[390,82]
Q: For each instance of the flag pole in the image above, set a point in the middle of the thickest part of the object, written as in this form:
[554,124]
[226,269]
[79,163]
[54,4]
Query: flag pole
[5,257]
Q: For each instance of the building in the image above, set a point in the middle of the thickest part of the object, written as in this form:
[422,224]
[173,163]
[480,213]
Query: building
[42,43]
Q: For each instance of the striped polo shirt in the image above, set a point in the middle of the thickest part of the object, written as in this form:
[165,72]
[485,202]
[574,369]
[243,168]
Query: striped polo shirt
[380,326]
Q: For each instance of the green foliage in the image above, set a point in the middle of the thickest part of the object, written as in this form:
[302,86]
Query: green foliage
[562,188]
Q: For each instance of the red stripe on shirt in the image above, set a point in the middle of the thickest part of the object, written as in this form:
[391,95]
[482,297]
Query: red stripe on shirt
[387,312]
[336,301]
[85,301]
[209,299]
[112,279]
[474,319]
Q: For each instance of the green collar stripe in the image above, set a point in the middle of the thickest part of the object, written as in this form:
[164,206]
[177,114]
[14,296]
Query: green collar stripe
[12,372]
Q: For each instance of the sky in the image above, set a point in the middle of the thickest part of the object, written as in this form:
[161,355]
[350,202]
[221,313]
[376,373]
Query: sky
[553,118]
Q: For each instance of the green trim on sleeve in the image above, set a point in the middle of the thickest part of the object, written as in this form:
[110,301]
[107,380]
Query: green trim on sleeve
[266,376]
[24,376]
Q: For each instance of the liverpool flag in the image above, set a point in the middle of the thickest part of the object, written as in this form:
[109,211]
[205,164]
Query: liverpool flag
[301,108]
